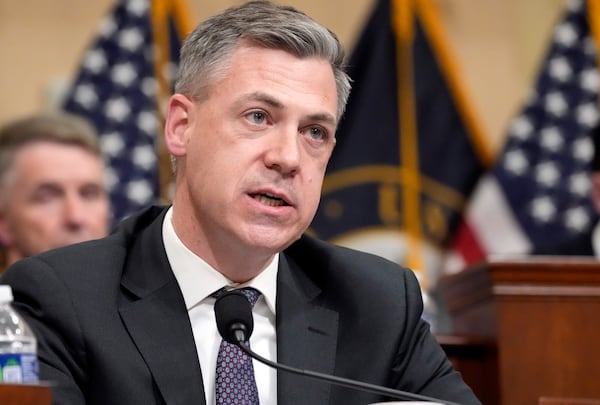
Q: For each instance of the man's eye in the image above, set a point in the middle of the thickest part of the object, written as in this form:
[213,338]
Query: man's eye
[257,117]
[317,133]
[44,195]
[92,192]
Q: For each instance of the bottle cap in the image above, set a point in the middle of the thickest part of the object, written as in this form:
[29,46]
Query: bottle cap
[6,293]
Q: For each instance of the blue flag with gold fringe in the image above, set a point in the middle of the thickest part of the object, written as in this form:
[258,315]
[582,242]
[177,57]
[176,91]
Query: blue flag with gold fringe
[409,150]
[123,78]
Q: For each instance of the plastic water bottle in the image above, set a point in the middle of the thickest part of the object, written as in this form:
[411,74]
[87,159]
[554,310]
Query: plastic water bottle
[18,346]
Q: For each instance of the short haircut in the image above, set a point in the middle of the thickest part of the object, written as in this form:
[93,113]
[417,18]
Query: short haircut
[56,127]
[206,51]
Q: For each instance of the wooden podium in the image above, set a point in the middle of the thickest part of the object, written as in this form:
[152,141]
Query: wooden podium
[544,313]
[24,394]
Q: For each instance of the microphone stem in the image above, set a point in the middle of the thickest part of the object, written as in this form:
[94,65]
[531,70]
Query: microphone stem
[344,382]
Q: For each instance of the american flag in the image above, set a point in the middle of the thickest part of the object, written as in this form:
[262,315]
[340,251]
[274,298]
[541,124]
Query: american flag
[538,193]
[117,90]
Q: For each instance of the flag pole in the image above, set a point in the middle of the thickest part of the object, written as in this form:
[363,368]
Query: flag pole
[593,15]
[161,10]
[182,13]
[402,22]
[161,52]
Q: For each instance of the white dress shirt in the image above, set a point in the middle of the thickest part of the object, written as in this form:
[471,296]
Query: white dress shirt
[198,280]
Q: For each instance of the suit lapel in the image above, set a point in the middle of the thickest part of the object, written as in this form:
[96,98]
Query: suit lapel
[306,337]
[157,320]
[155,315]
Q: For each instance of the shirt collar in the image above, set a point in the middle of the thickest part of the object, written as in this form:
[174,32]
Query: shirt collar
[198,280]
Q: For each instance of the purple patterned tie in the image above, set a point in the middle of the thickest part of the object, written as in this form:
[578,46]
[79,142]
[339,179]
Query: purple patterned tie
[235,382]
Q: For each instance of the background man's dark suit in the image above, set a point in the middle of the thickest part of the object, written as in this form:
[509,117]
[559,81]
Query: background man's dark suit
[112,323]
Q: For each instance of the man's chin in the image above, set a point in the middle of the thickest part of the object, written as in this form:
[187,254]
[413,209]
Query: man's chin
[274,238]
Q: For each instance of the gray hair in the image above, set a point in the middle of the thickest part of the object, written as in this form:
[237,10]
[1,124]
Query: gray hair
[62,128]
[260,23]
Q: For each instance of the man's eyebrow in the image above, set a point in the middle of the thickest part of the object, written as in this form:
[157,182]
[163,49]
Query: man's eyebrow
[323,117]
[47,185]
[266,98]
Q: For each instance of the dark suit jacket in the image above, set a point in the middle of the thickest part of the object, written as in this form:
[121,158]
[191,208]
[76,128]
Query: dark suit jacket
[113,328]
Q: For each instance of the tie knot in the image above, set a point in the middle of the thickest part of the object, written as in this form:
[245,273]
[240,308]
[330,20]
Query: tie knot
[250,293]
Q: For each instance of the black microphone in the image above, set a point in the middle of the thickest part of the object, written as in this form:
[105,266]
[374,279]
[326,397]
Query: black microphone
[234,319]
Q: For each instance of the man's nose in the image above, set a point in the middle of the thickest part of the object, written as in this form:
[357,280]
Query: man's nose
[283,152]
[74,210]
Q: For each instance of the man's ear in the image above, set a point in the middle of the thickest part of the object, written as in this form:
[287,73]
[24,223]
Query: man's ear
[177,124]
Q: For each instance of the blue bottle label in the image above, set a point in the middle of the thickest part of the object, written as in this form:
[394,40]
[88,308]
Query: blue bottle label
[18,368]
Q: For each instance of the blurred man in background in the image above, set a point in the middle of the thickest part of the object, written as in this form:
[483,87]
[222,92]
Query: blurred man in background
[52,190]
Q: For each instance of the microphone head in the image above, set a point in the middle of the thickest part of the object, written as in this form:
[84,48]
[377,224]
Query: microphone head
[233,314]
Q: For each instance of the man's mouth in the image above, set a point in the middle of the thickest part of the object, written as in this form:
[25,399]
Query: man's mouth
[269,200]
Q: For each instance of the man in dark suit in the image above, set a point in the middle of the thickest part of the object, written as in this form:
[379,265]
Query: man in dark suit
[129,319]
[586,243]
